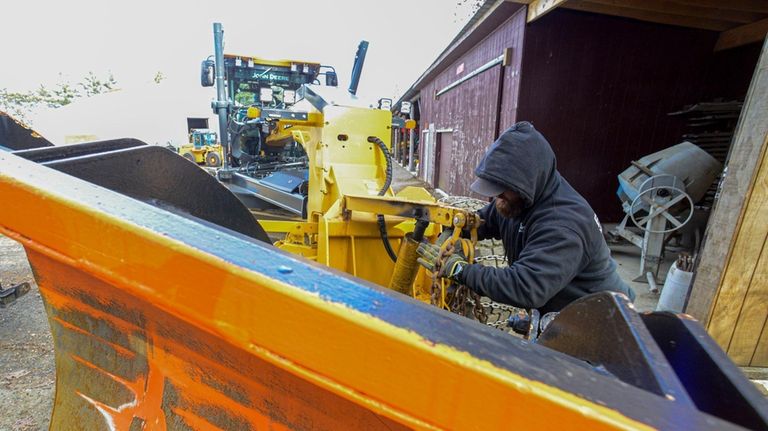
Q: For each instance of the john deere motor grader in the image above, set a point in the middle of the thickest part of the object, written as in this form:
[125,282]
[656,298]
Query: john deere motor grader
[169,310]
[264,165]
[322,152]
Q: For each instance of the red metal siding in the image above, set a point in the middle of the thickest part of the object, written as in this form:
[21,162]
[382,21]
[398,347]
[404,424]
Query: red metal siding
[470,110]
[511,85]
[599,88]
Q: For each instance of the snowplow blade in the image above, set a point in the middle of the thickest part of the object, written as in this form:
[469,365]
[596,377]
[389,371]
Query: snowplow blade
[16,136]
[162,321]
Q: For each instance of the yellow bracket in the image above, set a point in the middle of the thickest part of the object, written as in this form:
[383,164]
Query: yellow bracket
[290,227]
[444,215]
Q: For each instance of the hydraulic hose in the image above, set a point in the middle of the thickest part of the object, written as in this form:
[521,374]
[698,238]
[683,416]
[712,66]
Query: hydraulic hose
[388,157]
[387,182]
[407,266]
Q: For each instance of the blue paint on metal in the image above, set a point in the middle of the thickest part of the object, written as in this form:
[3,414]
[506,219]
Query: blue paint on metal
[284,269]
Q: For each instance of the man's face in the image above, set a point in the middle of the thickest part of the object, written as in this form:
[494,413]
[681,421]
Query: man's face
[510,204]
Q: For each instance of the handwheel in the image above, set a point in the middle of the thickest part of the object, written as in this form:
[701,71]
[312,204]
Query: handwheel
[658,194]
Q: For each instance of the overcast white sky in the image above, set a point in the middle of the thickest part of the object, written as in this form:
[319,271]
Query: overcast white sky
[135,39]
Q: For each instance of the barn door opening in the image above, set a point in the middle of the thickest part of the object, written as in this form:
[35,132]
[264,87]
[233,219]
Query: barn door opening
[444,143]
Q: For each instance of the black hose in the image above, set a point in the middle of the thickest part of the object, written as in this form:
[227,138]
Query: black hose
[385,238]
[387,182]
[388,157]
[421,227]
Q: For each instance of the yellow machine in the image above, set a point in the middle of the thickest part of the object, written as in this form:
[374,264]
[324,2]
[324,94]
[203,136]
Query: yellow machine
[203,148]
[354,219]
[325,154]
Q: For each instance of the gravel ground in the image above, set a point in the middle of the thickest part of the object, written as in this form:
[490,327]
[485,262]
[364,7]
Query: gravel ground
[27,371]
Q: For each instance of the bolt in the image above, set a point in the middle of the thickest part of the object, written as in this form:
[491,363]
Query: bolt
[282,269]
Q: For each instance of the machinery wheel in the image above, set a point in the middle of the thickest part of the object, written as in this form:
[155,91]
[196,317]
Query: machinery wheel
[657,195]
[212,159]
[190,157]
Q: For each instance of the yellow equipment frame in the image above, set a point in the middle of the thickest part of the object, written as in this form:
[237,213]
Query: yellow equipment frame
[346,175]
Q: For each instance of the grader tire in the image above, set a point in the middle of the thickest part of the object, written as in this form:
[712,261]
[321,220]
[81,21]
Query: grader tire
[190,157]
[212,159]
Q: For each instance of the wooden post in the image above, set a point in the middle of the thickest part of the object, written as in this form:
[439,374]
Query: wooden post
[729,283]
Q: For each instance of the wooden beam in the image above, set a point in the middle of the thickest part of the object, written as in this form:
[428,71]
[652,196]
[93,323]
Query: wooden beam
[645,15]
[742,164]
[759,6]
[539,8]
[673,8]
[743,35]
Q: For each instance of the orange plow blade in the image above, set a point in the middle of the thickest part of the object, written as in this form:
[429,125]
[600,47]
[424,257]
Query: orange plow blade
[164,322]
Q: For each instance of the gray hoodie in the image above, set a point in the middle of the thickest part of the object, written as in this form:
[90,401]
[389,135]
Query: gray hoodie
[555,248]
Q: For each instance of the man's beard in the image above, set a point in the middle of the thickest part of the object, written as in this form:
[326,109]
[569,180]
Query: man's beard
[509,209]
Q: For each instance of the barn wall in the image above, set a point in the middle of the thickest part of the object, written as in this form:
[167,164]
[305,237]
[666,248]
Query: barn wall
[731,71]
[600,87]
[471,110]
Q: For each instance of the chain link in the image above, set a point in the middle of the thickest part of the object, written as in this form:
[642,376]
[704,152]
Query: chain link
[494,257]
[499,324]
[463,202]
[460,299]
[454,296]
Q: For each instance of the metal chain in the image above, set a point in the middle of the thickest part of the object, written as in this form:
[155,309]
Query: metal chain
[499,324]
[456,300]
[493,257]
[464,202]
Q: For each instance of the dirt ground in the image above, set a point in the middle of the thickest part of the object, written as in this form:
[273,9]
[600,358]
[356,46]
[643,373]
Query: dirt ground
[27,371]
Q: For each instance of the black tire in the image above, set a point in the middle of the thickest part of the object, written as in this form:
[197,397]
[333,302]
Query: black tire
[213,159]
[190,157]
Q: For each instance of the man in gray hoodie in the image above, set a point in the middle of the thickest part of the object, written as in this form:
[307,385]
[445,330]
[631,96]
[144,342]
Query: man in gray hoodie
[552,237]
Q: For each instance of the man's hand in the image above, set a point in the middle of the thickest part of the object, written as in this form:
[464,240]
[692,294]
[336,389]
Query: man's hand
[430,256]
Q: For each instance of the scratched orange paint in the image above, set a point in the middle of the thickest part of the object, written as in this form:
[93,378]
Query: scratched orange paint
[231,348]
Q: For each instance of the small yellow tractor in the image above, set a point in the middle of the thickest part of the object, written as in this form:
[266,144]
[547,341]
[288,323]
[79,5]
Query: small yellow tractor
[203,148]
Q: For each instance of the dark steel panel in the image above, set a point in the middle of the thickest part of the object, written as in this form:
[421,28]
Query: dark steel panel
[16,136]
[604,330]
[153,175]
[714,383]
[244,187]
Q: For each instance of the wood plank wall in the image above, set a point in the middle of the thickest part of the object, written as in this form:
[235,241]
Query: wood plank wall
[470,110]
[730,288]
[599,89]
[740,310]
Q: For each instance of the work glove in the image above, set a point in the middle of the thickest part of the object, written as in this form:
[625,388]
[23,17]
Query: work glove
[444,235]
[452,266]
